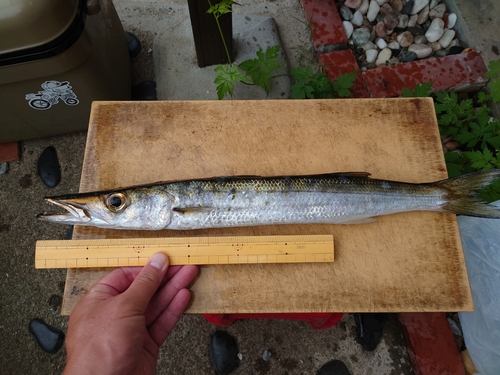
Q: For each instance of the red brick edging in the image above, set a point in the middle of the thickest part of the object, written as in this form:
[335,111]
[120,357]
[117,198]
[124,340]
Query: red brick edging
[462,72]
[430,344]
[9,151]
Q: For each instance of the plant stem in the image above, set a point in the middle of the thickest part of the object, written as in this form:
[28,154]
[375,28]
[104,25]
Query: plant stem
[221,35]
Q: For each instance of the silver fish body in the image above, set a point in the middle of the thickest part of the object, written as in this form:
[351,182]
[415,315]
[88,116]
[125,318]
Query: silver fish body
[247,201]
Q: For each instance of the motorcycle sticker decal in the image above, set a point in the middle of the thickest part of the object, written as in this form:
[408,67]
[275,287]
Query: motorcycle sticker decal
[53,91]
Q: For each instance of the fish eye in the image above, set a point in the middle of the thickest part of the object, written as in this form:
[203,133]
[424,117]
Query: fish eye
[116,202]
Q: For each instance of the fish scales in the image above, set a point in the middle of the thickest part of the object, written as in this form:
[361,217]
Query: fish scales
[340,198]
[327,200]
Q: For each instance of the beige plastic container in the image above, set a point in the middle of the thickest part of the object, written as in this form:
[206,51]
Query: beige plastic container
[56,57]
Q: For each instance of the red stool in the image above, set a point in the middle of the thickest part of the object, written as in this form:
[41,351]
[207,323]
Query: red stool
[317,320]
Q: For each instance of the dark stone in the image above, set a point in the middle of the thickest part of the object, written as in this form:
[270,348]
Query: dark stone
[133,44]
[395,52]
[49,338]
[407,6]
[334,367]
[407,56]
[48,167]
[416,30]
[369,328]
[144,91]
[455,50]
[441,53]
[224,352]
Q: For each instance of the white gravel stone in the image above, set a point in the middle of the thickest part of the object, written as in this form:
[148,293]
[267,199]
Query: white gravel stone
[454,42]
[364,7]
[438,11]
[405,39]
[419,5]
[348,28]
[452,19]
[436,30]
[403,20]
[423,16]
[371,55]
[369,45]
[357,18]
[353,4]
[421,50]
[346,13]
[373,10]
[394,45]
[412,21]
[433,3]
[383,56]
[381,43]
[435,46]
[380,2]
[447,37]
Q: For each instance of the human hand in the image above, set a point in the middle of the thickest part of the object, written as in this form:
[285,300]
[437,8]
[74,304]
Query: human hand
[119,325]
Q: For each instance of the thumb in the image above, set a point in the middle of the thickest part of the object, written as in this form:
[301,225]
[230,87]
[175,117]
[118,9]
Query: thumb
[147,281]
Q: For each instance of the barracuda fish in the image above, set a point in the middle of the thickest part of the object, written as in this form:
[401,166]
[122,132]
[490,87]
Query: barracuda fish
[339,198]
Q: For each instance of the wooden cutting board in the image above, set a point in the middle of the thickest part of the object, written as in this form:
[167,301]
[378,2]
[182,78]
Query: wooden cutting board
[403,262]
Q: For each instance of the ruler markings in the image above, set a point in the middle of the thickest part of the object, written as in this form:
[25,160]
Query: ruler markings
[185,250]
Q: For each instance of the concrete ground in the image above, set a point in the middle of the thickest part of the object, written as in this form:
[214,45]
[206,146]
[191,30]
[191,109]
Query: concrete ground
[26,293]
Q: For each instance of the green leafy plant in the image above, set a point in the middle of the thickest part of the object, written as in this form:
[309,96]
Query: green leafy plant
[420,91]
[250,72]
[494,85]
[467,125]
[469,129]
[310,85]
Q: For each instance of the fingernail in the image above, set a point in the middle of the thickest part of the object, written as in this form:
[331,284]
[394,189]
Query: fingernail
[158,260]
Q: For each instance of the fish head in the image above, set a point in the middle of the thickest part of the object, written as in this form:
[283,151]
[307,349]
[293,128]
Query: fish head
[139,208]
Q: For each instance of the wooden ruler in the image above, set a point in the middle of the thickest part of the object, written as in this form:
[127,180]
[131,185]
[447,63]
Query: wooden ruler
[184,250]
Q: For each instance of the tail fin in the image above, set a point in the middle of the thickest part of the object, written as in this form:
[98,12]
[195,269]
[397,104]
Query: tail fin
[461,197]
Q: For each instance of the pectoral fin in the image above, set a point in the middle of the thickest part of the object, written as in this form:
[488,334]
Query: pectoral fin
[191,210]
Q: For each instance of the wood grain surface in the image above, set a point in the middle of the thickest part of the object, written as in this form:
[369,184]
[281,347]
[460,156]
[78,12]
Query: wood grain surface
[402,262]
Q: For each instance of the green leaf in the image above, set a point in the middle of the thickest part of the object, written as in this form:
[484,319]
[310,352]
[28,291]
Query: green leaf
[480,159]
[454,170]
[491,193]
[224,7]
[423,90]
[321,83]
[452,156]
[493,69]
[259,69]
[302,91]
[482,97]
[483,117]
[494,142]
[476,129]
[224,80]
[466,138]
[302,74]
[406,93]
[343,84]
[419,91]
[495,90]
[494,74]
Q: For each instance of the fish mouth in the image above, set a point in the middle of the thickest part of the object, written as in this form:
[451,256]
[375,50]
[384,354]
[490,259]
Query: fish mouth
[76,213]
